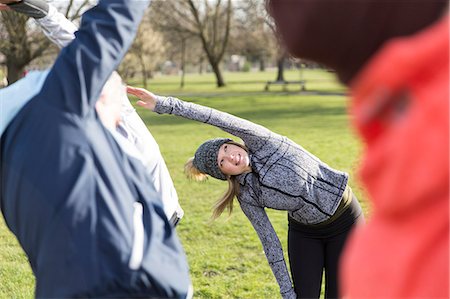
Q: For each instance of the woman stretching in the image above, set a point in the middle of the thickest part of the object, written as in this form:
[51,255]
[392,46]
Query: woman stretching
[272,171]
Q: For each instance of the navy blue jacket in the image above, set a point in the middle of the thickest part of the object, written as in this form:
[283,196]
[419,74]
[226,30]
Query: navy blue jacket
[68,191]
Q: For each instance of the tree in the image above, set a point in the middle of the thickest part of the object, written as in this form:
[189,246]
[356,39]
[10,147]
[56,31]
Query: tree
[146,53]
[18,46]
[21,42]
[251,35]
[282,53]
[181,48]
[209,21]
[280,64]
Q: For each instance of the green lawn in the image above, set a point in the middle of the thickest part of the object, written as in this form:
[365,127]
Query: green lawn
[225,257]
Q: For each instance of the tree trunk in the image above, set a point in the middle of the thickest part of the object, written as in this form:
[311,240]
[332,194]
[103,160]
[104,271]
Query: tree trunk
[262,65]
[14,71]
[183,60]
[144,71]
[200,66]
[280,63]
[216,69]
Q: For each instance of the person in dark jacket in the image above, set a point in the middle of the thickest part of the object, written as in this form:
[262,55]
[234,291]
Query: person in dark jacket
[136,139]
[272,171]
[82,209]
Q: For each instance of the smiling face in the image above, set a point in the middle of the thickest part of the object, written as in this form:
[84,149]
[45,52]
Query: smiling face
[233,159]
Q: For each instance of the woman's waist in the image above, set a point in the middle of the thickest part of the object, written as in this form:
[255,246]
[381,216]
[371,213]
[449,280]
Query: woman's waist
[346,200]
[345,215]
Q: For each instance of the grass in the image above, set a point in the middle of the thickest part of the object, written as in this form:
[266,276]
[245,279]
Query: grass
[226,258]
[16,279]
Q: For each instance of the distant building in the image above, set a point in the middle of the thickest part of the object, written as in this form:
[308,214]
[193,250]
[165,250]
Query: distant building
[170,68]
[235,63]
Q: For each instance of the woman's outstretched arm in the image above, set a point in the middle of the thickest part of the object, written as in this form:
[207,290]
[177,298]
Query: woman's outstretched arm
[254,136]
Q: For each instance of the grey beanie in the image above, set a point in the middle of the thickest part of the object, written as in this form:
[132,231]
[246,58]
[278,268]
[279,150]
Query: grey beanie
[205,158]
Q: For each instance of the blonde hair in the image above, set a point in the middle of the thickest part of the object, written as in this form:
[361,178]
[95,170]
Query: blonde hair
[226,201]
[192,172]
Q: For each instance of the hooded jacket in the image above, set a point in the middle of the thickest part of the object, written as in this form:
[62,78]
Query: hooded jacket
[83,210]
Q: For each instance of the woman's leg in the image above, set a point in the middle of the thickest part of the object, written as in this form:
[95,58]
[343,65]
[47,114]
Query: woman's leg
[333,252]
[306,258]
[335,245]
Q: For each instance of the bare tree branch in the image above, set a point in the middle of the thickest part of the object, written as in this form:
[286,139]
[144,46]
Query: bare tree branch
[21,44]
[69,7]
[40,50]
[227,30]
[77,13]
[209,21]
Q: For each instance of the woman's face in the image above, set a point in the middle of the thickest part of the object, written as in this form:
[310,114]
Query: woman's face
[233,159]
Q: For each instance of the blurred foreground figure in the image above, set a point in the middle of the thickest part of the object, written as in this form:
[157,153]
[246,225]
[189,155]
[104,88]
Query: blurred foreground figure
[85,211]
[394,56]
[135,139]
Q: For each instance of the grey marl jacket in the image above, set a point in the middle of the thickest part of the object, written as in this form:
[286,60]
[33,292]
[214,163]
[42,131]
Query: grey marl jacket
[284,177]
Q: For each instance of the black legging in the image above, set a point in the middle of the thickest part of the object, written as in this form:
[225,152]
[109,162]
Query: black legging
[315,248]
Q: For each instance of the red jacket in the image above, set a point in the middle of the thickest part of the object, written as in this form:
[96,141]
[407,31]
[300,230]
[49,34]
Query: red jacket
[401,110]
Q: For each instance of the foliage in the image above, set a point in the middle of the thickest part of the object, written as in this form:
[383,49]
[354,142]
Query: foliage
[226,258]
[209,21]
[251,34]
[145,55]
[246,67]
[21,42]
[18,45]
[175,36]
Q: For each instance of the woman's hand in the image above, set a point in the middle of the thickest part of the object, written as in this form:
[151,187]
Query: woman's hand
[147,99]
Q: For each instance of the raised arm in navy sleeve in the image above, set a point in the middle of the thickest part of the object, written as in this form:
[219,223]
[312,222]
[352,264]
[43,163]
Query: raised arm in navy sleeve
[82,68]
